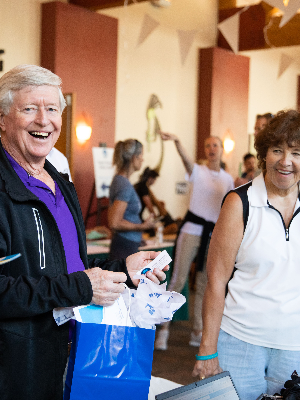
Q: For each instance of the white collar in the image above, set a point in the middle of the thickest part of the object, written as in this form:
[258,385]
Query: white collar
[257,193]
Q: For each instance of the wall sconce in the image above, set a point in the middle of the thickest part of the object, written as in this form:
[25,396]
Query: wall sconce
[228,142]
[161,3]
[83,132]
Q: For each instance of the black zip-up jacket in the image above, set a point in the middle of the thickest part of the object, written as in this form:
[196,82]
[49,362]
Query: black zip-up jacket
[33,349]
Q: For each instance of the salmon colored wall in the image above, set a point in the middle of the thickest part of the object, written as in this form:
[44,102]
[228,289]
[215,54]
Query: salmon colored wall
[223,101]
[81,47]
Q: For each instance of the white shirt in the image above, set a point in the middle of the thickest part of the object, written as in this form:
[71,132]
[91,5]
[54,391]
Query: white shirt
[208,191]
[263,303]
[59,161]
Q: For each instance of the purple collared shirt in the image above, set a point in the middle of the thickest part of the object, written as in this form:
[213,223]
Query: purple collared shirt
[60,211]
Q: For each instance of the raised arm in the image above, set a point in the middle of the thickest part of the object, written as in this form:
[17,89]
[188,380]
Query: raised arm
[187,161]
[225,242]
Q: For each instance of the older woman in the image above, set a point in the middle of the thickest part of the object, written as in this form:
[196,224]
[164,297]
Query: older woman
[125,205]
[257,233]
[40,218]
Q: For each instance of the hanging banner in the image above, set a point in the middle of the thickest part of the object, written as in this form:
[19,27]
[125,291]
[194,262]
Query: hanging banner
[148,26]
[285,62]
[186,39]
[103,170]
[288,10]
[230,30]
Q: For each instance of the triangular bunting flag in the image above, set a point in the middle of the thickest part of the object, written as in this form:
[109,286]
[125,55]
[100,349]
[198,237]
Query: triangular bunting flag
[149,24]
[230,30]
[288,10]
[186,39]
[285,62]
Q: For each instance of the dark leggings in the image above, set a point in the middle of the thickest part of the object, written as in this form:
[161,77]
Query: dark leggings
[121,247]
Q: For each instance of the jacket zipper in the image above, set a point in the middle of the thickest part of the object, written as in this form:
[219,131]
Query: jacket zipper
[40,233]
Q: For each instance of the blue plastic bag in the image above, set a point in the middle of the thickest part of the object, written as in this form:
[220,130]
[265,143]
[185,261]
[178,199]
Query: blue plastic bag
[111,363]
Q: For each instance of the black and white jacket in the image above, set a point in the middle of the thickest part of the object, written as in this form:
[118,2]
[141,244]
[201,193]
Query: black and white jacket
[33,349]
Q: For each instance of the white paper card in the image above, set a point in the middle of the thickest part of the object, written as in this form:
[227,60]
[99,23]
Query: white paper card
[63,315]
[159,262]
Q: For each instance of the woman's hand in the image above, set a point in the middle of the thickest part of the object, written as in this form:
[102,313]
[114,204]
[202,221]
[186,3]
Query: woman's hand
[168,136]
[149,222]
[187,161]
[207,368]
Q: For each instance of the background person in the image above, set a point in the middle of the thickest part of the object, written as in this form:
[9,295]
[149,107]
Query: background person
[259,338]
[210,184]
[262,121]
[40,218]
[147,178]
[124,203]
[249,161]
[59,161]
[153,205]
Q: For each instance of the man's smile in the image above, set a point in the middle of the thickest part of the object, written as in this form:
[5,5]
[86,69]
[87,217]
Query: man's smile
[40,135]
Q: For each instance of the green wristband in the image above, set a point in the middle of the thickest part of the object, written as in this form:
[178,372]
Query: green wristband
[209,357]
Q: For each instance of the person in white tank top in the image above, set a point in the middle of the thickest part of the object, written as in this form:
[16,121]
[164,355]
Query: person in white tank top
[209,183]
[259,341]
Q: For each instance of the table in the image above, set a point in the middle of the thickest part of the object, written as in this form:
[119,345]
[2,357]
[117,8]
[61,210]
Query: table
[100,249]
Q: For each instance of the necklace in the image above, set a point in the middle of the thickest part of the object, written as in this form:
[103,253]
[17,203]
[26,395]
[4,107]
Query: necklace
[22,164]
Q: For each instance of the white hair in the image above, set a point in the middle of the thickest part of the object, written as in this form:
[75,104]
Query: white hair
[27,75]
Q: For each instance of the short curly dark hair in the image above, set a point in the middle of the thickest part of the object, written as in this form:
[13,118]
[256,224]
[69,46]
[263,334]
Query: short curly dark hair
[284,127]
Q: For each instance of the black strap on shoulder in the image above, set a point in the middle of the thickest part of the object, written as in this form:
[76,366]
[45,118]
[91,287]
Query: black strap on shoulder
[242,192]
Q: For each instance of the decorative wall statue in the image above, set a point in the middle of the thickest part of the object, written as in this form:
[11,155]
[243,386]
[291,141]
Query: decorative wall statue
[153,129]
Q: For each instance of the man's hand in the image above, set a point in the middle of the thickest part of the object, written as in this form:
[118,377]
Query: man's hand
[140,260]
[106,285]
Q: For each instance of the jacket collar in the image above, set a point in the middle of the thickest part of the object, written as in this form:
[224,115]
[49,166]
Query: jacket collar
[13,184]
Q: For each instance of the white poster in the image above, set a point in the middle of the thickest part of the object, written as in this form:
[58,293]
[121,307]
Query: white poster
[103,169]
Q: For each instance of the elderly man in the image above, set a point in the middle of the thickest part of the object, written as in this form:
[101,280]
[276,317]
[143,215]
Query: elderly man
[40,218]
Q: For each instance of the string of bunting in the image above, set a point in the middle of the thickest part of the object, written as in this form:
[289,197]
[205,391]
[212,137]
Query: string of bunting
[230,28]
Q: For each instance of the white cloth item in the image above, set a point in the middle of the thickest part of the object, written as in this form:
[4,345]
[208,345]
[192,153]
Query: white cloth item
[160,385]
[59,161]
[263,303]
[208,190]
[153,304]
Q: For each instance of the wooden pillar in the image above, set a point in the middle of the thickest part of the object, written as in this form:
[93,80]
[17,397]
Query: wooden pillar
[223,100]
